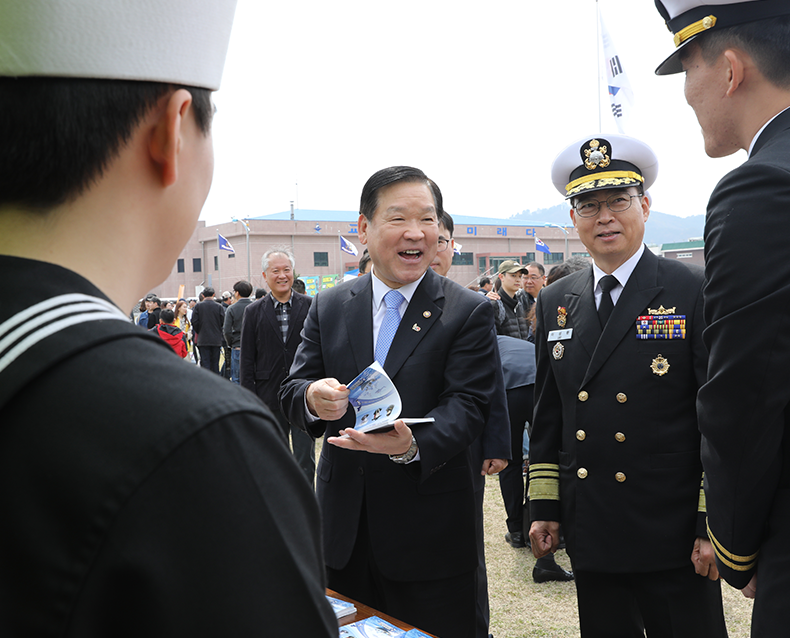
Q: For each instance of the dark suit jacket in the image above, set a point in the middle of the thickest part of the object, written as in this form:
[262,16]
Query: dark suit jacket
[421,516]
[208,317]
[264,359]
[744,408]
[604,385]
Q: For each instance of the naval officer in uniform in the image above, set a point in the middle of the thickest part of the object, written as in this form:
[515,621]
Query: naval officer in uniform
[615,451]
[736,58]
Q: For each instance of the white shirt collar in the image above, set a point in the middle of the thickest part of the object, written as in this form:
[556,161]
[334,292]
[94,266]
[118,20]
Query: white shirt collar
[380,289]
[756,137]
[623,272]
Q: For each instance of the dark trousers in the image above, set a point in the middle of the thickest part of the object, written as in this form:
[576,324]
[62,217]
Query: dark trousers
[676,603]
[444,607]
[769,617]
[302,443]
[520,402]
[209,358]
[482,608]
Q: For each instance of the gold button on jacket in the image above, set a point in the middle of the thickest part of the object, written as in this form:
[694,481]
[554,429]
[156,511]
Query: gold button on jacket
[583,396]
[620,477]
[581,435]
[581,473]
[619,437]
[621,398]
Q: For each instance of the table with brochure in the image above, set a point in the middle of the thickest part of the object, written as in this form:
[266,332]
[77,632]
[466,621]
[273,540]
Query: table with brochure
[361,621]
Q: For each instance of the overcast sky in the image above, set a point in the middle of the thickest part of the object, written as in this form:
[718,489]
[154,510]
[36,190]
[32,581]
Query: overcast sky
[481,97]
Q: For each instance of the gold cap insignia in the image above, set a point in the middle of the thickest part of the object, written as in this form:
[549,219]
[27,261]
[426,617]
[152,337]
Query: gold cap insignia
[660,366]
[596,156]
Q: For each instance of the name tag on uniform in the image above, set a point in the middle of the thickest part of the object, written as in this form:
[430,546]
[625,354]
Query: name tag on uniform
[559,335]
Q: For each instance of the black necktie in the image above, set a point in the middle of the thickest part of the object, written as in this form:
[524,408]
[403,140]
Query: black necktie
[605,308]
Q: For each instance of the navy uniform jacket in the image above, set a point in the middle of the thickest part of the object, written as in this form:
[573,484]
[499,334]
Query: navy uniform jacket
[265,359]
[141,496]
[744,407]
[621,439]
[421,516]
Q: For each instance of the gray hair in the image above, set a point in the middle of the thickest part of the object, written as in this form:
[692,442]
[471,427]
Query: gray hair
[277,251]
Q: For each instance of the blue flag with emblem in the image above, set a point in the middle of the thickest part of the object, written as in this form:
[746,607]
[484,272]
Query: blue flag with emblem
[539,245]
[347,247]
[224,244]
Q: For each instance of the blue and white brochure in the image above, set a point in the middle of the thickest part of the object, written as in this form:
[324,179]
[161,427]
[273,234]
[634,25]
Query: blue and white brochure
[376,401]
[373,627]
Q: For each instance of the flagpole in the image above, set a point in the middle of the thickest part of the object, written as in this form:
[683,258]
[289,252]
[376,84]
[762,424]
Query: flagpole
[598,63]
[219,268]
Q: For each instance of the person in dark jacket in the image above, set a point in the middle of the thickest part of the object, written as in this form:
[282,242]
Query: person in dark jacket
[234,317]
[270,335]
[208,318]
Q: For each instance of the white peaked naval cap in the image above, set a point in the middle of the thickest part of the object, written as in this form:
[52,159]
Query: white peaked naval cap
[599,162]
[174,41]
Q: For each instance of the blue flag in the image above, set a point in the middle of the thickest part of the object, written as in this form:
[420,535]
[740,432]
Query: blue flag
[539,245]
[347,247]
[224,244]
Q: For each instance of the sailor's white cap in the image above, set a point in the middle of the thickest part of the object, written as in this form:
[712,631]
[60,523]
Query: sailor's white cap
[173,41]
[599,162]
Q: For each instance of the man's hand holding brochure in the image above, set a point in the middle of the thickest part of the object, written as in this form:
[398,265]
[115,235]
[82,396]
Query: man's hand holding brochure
[377,406]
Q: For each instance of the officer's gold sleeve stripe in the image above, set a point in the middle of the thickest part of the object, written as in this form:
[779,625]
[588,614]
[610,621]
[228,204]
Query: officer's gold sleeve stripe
[708,22]
[702,506]
[733,561]
[544,489]
[544,466]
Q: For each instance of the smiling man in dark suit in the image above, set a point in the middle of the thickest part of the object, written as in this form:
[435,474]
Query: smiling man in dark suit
[615,450]
[270,335]
[398,508]
[736,57]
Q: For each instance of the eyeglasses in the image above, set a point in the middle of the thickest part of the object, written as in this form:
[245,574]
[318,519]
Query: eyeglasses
[617,203]
[443,244]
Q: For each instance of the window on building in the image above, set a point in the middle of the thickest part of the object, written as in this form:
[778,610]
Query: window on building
[481,265]
[553,258]
[320,260]
[180,265]
[580,254]
[464,259]
[685,255]
[216,262]
[196,265]
[231,255]
[529,257]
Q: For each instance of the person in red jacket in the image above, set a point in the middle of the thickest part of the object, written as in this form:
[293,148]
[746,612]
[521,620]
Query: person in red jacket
[170,333]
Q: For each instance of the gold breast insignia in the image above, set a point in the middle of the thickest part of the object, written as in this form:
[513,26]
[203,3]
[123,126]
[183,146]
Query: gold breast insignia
[660,366]
[562,317]
[558,351]
[661,311]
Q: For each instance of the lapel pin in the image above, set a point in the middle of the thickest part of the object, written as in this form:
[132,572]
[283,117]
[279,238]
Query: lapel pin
[426,314]
[416,328]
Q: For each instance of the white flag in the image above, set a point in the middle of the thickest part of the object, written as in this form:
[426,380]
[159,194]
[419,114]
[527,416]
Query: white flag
[620,93]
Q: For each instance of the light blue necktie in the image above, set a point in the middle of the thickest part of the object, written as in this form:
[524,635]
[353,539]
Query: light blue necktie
[393,299]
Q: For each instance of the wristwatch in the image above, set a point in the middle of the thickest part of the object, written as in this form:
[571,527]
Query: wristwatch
[408,455]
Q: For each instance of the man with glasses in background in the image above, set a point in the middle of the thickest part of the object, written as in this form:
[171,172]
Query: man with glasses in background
[615,449]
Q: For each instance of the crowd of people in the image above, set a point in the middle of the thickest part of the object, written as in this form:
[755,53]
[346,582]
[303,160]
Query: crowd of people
[656,424]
